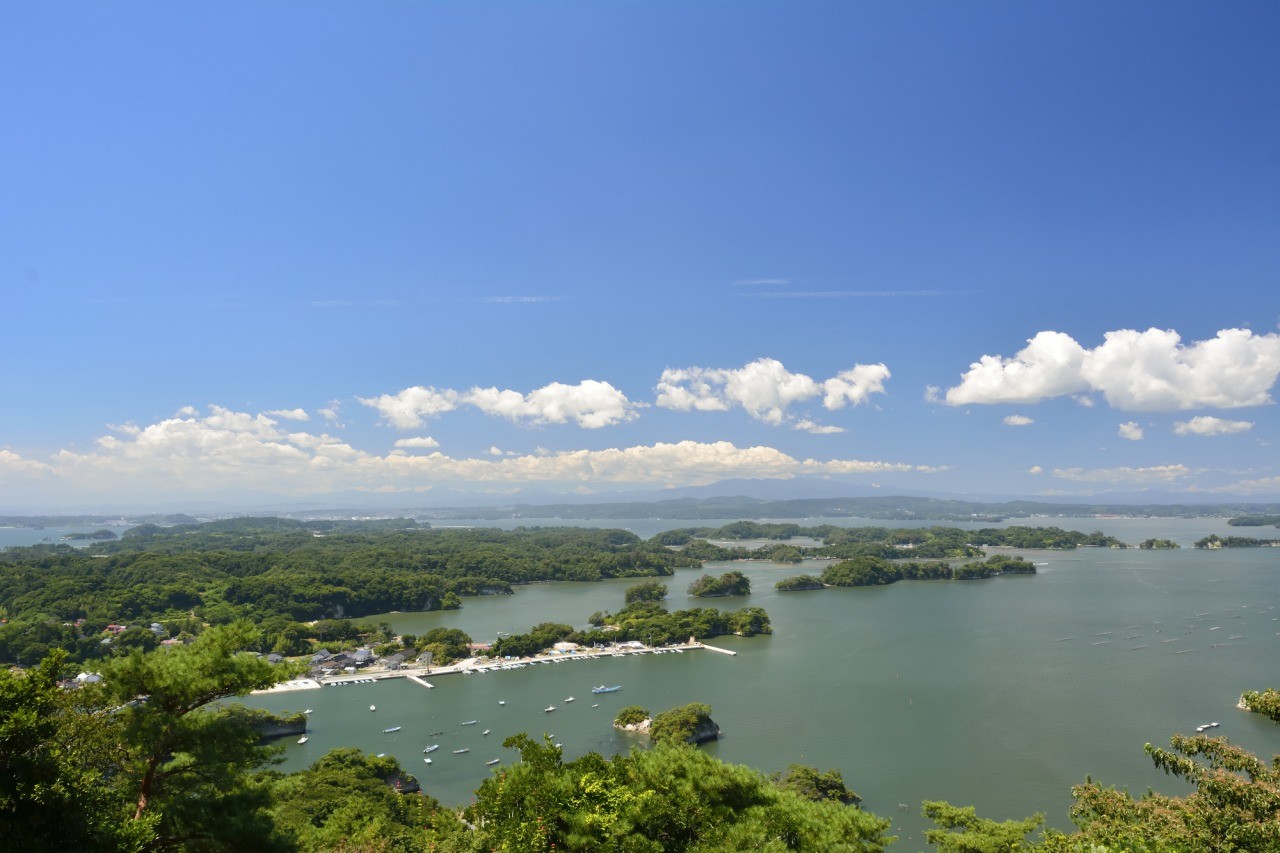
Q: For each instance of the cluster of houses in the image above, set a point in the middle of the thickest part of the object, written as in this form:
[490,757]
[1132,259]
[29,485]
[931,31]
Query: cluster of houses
[325,663]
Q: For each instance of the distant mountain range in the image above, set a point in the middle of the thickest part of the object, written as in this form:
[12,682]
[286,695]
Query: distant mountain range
[800,497]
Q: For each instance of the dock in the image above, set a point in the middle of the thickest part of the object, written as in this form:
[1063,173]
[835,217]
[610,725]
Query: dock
[720,650]
[416,680]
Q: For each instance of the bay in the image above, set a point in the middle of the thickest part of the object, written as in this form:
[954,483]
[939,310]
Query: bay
[965,691]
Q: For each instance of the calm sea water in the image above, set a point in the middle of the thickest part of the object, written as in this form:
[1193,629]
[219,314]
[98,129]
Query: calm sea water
[963,691]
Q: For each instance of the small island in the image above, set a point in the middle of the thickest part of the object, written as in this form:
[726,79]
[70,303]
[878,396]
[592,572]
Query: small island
[690,723]
[796,583]
[729,583]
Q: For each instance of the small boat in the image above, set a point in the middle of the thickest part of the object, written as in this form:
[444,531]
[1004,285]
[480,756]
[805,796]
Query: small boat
[1201,728]
[390,730]
[460,751]
[373,707]
[302,739]
[494,761]
[1213,725]
[309,711]
[502,701]
[469,723]
[549,709]
[485,732]
[431,748]
[602,689]
[433,734]
[597,705]
[570,699]
[426,760]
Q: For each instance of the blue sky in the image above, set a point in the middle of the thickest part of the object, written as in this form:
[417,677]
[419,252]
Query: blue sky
[290,250]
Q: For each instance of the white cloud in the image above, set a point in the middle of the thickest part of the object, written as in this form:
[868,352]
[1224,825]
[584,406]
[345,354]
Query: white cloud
[1209,425]
[589,404]
[816,428]
[330,412]
[1131,430]
[410,408]
[228,450]
[421,441]
[289,414]
[1018,420]
[1035,469]
[1134,371]
[1264,485]
[1084,400]
[1155,474]
[764,388]
[854,386]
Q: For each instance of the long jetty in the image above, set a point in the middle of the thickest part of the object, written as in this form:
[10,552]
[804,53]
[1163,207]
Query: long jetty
[473,666]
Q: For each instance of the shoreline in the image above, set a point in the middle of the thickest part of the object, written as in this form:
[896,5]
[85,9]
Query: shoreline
[475,666]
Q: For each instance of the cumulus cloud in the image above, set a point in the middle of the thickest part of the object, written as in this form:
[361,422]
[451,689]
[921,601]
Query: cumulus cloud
[422,441]
[331,411]
[589,404]
[1131,430]
[1018,420]
[1209,425]
[1264,485]
[1154,474]
[1134,371]
[765,389]
[412,407]
[224,449]
[1035,469]
[816,428]
[289,414]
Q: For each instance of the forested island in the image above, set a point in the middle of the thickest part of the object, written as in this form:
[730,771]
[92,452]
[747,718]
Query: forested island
[1214,541]
[303,582]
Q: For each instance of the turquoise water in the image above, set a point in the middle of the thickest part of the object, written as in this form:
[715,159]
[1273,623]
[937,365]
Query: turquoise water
[964,691]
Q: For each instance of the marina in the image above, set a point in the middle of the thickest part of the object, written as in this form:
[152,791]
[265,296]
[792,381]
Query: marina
[912,677]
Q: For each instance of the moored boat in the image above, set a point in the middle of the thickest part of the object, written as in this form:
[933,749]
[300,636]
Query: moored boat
[390,730]
[431,748]
[302,739]
[494,761]
[602,689]
[460,751]
[549,709]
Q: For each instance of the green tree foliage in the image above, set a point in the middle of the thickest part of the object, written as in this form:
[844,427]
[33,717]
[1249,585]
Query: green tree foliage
[646,591]
[812,784]
[53,762]
[540,637]
[861,571]
[179,756]
[962,831]
[682,724]
[670,798]
[799,582]
[729,583]
[348,801]
[631,715]
[1158,545]
[1266,703]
